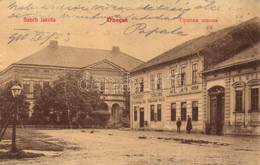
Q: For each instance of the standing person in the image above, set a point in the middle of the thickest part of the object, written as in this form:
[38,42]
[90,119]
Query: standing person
[178,123]
[189,125]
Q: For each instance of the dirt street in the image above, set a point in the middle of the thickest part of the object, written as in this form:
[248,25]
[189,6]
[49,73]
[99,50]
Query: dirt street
[121,147]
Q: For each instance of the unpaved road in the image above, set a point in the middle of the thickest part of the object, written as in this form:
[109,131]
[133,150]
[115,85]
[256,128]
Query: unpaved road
[112,147]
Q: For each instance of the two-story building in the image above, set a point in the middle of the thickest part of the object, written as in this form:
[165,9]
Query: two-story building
[109,67]
[163,94]
[171,85]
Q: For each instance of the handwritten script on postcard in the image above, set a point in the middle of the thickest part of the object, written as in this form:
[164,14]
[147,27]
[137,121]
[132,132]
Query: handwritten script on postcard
[146,18]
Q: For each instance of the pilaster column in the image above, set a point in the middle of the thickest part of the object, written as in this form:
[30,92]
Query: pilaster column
[227,101]
[31,86]
[247,103]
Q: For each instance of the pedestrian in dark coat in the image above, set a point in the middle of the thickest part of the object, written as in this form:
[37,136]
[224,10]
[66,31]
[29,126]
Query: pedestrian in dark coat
[189,125]
[178,123]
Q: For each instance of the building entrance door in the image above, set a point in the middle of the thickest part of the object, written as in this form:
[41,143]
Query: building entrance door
[217,109]
[115,113]
[141,117]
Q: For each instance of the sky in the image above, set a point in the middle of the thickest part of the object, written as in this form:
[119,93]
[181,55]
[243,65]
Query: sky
[147,28]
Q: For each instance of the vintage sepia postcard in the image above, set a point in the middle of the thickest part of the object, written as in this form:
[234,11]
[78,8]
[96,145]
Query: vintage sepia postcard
[129,82]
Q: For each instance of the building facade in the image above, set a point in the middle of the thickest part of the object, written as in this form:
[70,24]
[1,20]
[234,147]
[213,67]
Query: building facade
[107,67]
[158,98]
[232,94]
[179,83]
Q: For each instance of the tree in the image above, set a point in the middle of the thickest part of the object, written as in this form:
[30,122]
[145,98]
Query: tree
[7,103]
[42,108]
[67,99]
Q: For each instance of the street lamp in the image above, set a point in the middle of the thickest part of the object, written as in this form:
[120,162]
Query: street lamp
[16,91]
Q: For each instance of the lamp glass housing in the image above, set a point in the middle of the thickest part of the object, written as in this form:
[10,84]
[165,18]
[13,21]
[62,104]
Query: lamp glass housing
[16,90]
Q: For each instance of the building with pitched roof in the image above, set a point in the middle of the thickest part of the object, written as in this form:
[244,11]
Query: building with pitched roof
[172,85]
[109,67]
[232,93]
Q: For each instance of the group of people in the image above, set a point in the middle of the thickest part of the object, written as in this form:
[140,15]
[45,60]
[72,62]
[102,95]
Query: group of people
[188,127]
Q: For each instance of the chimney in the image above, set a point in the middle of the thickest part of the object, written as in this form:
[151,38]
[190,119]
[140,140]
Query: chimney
[53,44]
[115,49]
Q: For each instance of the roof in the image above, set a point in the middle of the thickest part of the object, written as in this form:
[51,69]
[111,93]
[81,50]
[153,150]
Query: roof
[248,55]
[195,46]
[63,56]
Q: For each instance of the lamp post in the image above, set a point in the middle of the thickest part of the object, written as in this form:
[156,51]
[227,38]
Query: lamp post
[16,91]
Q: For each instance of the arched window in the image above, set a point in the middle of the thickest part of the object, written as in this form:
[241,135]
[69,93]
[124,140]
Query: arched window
[239,96]
[254,95]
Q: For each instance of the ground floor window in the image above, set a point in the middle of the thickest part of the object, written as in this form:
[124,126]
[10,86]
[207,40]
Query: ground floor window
[152,112]
[135,113]
[173,112]
[195,111]
[159,112]
[183,111]
[254,99]
[239,100]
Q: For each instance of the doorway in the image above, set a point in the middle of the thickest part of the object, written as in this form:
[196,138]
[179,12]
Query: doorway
[141,117]
[115,112]
[217,109]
